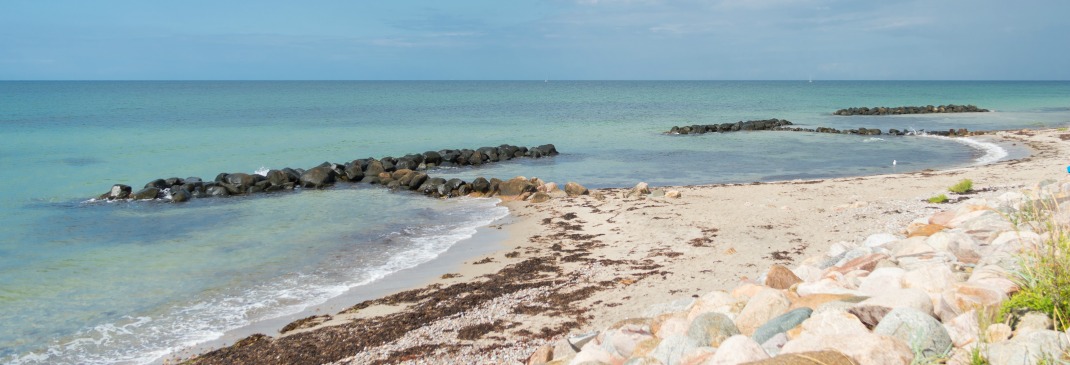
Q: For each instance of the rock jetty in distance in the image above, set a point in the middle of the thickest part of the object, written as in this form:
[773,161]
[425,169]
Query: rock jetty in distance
[899,110]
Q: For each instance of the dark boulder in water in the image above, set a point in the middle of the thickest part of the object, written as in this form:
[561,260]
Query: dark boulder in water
[193,186]
[491,153]
[508,152]
[146,194]
[432,158]
[293,175]
[277,177]
[400,173]
[389,164]
[242,181]
[318,177]
[260,187]
[406,163]
[432,187]
[413,180]
[180,196]
[172,181]
[473,157]
[216,191]
[158,183]
[454,184]
[450,156]
[547,150]
[233,189]
[481,185]
[353,171]
[375,167]
[339,170]
[118,191]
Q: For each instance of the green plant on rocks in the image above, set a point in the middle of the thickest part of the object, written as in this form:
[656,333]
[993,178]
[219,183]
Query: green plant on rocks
[1044,274]
[961,187]
[938,199]
[977,357]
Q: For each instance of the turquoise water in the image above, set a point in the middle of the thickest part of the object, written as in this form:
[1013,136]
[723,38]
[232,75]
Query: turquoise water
[84,282]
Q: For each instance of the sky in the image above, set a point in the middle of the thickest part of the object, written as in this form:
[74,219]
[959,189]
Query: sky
[535,40]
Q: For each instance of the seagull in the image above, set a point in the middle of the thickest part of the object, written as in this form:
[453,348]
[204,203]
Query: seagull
[894,162]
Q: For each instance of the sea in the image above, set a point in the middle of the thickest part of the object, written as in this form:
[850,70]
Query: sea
[84,281]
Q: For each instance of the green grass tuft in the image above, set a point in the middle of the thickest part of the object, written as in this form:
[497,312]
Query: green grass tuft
[938,199]
[962,187]
[1044,276]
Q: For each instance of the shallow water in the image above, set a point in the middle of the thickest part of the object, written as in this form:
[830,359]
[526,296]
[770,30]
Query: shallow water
[126,282]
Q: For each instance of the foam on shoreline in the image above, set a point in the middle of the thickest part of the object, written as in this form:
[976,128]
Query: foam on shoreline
[434,254]
[991,152]
[148,337]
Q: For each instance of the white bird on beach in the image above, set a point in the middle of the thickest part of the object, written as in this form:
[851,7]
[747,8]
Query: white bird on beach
[894,162]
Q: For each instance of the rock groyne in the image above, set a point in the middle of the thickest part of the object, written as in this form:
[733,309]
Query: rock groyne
[785,125]
[902,110]
[408,172]
[961,132]
[751,125]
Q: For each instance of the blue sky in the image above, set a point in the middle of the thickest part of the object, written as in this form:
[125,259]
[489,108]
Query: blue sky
[527,39]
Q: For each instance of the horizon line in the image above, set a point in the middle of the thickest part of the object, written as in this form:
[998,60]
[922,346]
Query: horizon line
[527,80]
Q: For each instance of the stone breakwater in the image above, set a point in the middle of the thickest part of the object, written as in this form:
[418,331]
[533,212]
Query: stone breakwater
[926,294]
[403,173]
[961,132]
[900,110]
[785,125]
[751,125]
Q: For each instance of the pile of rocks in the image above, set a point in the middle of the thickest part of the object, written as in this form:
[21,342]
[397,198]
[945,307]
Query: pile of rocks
[882,110]
[925,295]
[752,125]
[403,173]
[961,132]
[784,125]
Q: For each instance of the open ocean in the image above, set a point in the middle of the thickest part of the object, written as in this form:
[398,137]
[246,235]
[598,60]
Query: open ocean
[85,282]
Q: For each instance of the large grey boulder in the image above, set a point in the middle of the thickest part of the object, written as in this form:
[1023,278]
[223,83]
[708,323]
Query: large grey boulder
[917,329]
[318,177]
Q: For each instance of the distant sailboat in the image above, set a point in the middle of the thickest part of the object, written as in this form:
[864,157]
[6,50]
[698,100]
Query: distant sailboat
[811,79]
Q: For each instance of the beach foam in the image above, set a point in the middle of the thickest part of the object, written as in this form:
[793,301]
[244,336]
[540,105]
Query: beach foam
[991,152]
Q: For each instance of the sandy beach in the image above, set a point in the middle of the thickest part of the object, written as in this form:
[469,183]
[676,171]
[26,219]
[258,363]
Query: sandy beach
[572,265]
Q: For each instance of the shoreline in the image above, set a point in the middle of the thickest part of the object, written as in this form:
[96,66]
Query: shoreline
[529,224]
[487,240]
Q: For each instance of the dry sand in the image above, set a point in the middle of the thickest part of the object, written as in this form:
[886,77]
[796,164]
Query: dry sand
[573,265]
